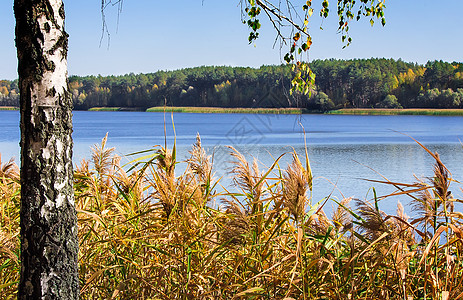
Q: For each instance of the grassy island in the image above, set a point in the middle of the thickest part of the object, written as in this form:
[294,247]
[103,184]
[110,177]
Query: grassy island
[222,110]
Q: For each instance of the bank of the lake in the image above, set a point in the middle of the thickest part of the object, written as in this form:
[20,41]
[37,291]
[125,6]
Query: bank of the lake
[107,108]
[406,111]
[223,110]
[241,110]
[281,111]
[9,108]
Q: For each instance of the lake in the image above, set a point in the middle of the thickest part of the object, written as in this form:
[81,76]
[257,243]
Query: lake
[343,149]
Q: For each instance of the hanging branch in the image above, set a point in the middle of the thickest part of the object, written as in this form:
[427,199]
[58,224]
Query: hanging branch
[304,78]
[299,39]
[104,25]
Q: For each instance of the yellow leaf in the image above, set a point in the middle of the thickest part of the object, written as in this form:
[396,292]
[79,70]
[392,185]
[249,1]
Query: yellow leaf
[249,291]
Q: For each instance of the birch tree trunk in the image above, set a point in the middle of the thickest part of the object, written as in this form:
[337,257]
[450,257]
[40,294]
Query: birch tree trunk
[48,218]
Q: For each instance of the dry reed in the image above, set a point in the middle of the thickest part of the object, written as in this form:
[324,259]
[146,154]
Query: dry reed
[147,232]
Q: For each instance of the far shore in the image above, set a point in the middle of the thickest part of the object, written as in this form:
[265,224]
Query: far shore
[344,111]
[239,110]
[222,110]
[9,108]
[405,111]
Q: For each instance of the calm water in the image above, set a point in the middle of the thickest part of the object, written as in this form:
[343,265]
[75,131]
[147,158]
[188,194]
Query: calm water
[342,149]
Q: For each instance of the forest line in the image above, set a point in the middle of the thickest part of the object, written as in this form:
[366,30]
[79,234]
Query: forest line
[359,83]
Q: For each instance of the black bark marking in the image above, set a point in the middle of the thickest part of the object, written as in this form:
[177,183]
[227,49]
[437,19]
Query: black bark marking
[47,27]
[61,43]
[62,12]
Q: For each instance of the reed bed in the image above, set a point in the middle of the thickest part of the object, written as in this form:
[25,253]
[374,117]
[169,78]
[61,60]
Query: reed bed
[392,111]
[9,108]
[105,109]
[224,110]
[147,232]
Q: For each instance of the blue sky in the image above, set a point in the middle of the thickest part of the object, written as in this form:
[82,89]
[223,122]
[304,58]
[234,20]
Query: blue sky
[164,35]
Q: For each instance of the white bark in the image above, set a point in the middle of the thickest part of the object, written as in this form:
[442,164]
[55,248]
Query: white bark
[48,218]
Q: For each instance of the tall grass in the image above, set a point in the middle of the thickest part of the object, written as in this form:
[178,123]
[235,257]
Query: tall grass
[148,232]
[9,228]
[9,108]
[104,109]
[405,111]
[231,110]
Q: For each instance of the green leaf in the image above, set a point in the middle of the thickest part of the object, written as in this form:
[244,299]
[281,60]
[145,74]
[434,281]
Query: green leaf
[286,58]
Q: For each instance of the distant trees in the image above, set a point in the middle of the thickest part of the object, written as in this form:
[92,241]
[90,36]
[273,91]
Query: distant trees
[345,83]
[9,93]
[385,83]
[435,98]
[201,86]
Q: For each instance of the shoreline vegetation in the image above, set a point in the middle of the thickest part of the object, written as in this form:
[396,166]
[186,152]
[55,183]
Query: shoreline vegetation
[405,111]
[9,108]
[147,230]
[222,110]
[344,111]
[241,110]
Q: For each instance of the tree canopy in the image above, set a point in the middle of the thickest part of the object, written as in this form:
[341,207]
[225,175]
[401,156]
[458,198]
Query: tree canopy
[361,83]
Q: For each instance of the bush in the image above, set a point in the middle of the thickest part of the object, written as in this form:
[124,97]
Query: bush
[390,101]
[323,102]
